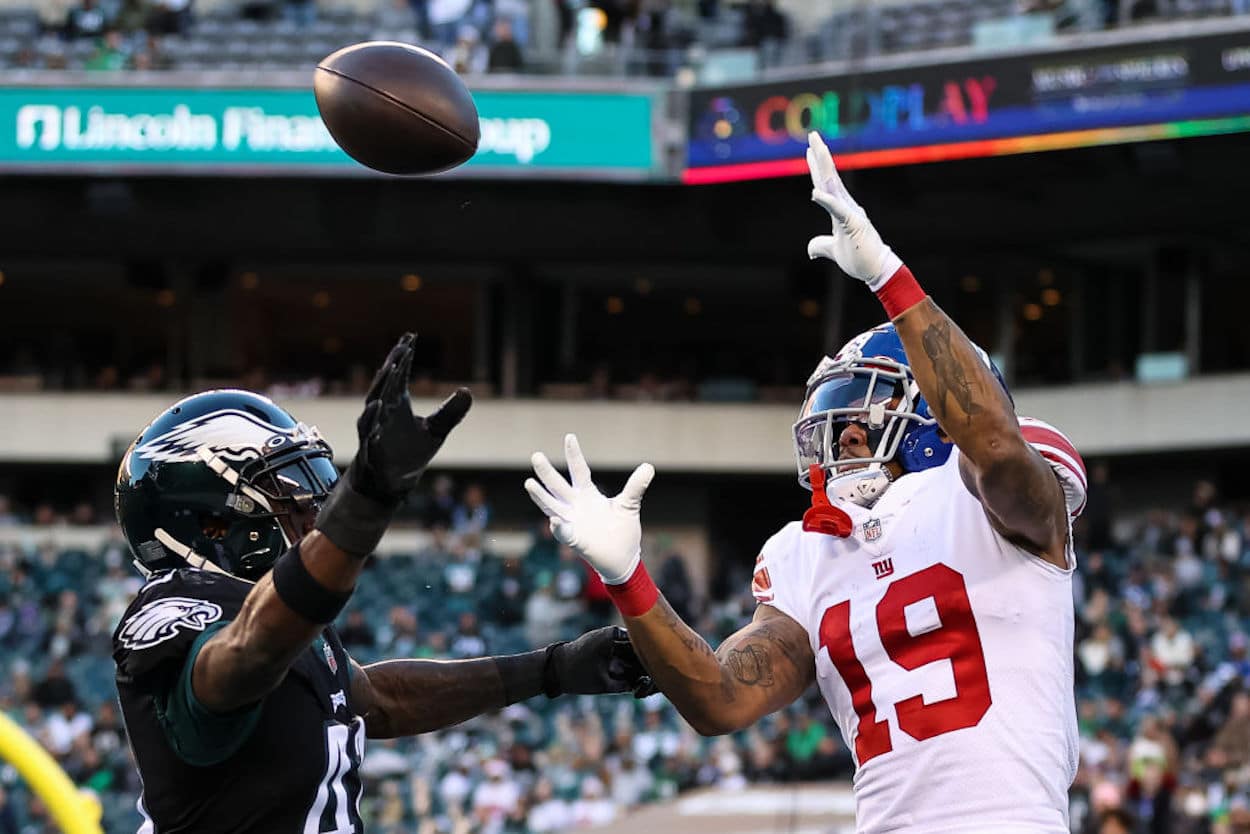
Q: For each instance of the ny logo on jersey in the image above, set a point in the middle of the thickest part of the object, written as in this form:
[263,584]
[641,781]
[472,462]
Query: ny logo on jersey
[883,568]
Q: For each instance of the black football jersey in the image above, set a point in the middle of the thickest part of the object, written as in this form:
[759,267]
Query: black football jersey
[298,770]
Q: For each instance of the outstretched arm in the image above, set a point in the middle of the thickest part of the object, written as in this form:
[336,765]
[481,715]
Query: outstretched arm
[1017,488]
[756,671]
[408,697]
[311,582]
[760,669]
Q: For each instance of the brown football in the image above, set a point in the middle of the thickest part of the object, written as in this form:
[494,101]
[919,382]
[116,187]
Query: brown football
[396,108]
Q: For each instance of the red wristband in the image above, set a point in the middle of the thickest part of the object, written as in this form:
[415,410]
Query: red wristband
[636,595]
[900,293]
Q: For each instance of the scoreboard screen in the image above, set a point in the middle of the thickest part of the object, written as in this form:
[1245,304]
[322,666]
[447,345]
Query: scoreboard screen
[1014,103]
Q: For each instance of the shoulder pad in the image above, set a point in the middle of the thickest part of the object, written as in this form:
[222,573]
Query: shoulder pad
[1063,458]
[169,613]
[772,555]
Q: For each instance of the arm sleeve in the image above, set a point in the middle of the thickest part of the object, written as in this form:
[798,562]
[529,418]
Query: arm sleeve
[198,735]
[1063,458]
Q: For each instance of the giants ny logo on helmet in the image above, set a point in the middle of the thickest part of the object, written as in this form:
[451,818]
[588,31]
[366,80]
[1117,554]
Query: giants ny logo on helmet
[162,619]
[233,435]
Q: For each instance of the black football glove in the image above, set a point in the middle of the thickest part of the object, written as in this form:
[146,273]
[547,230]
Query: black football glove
[600,662]
[395,447]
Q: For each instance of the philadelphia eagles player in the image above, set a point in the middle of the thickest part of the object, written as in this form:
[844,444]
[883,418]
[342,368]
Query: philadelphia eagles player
[245,714]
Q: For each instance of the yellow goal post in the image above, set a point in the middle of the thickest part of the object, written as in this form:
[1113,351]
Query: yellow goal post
[74,811]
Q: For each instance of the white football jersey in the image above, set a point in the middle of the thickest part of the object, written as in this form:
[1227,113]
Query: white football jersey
[944,653]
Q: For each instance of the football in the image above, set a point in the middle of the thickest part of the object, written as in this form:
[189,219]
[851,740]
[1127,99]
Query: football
[396,108]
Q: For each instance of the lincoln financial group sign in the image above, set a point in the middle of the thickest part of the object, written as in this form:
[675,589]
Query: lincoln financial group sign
[189,129]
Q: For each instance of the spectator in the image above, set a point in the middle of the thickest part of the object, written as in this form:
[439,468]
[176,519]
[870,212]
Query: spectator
[1102,658]
[495,798]
[548,813]
[86,21]
[1173,650]
[570,577]
[504,54]
[468,641]
[356,632]
[8,816]
[473,513]
[110,54]
[460,574]
[765,28]
[544,615]
[8,518]
[631,781]
[678,590]
[302,13]
[1230,749]
[169,17]
[65,726]
[108,734]
[455,785]
[399,637]
[440,504]
[1116,822]
[467,56]
[804,738]
[55,689]
[655,741]
[592,808]
[507,602]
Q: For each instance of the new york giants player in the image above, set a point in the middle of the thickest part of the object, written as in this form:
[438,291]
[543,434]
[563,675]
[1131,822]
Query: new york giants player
[927,591]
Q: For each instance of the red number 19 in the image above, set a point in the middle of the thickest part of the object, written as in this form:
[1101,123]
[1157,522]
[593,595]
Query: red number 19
[956,639]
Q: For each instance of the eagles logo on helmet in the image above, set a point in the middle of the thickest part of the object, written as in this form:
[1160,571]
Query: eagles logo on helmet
[217,482]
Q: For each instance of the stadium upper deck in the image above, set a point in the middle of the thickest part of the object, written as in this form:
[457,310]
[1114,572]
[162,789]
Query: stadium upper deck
[708,38]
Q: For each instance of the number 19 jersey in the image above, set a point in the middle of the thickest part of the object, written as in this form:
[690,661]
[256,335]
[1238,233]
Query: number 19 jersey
[944,653]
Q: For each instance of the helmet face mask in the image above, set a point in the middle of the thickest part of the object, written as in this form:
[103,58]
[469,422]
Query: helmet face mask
[878,398]
[225,481]
[868,383]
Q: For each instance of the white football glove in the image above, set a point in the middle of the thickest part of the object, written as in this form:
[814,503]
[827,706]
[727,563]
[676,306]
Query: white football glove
[854,245]
[606,532]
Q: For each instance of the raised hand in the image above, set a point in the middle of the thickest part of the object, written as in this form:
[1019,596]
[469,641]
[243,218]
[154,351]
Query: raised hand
[395,444]
[395,447]
[606,532]
[855,246]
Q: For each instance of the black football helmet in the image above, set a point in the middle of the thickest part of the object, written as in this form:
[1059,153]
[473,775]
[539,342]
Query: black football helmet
[219,481]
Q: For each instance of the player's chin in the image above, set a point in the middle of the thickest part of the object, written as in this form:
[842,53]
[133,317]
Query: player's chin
[845,468]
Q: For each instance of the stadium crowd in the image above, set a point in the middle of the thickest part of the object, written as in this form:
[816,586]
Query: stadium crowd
[647,37]
[1163,608]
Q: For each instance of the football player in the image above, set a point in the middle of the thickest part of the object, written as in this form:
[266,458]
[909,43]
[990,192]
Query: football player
[928,591]
[245,714]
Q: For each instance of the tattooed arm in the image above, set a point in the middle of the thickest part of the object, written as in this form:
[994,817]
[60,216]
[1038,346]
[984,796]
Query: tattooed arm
[1020,493]
[757,671]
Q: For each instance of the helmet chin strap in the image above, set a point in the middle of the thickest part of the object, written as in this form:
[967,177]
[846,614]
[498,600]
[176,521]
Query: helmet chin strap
[862,488]
[192,558]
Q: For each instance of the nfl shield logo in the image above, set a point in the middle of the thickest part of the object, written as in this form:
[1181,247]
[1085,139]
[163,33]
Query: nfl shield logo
[330,661]
[872,529]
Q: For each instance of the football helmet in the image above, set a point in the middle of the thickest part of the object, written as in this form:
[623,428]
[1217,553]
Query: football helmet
[218,481]
[868,382]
